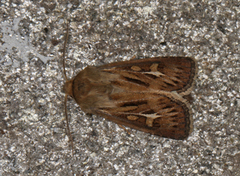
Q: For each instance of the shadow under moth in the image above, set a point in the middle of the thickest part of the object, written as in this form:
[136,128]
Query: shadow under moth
[145,94]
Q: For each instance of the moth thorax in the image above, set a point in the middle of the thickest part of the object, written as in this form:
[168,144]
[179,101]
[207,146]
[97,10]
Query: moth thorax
[67,88]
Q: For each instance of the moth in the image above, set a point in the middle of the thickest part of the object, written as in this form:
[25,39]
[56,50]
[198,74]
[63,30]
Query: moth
[145,94]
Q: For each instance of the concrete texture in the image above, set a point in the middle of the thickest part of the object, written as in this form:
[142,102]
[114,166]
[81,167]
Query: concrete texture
[32,121]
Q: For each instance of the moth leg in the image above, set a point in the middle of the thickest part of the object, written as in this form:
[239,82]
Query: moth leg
[133,57]
[124,129]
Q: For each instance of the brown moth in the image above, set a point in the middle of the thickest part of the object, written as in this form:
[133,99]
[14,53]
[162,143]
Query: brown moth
[145,94]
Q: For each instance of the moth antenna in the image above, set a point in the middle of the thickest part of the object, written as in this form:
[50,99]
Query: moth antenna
[65,75]
[68,128]
[64,51]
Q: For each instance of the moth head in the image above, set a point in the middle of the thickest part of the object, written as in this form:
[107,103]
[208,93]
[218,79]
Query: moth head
[67,88]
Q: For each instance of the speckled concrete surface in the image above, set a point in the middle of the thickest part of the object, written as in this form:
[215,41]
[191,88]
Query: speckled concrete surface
[33,137]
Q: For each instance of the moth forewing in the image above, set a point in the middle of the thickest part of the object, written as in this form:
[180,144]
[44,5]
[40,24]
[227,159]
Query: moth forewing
[142,94]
